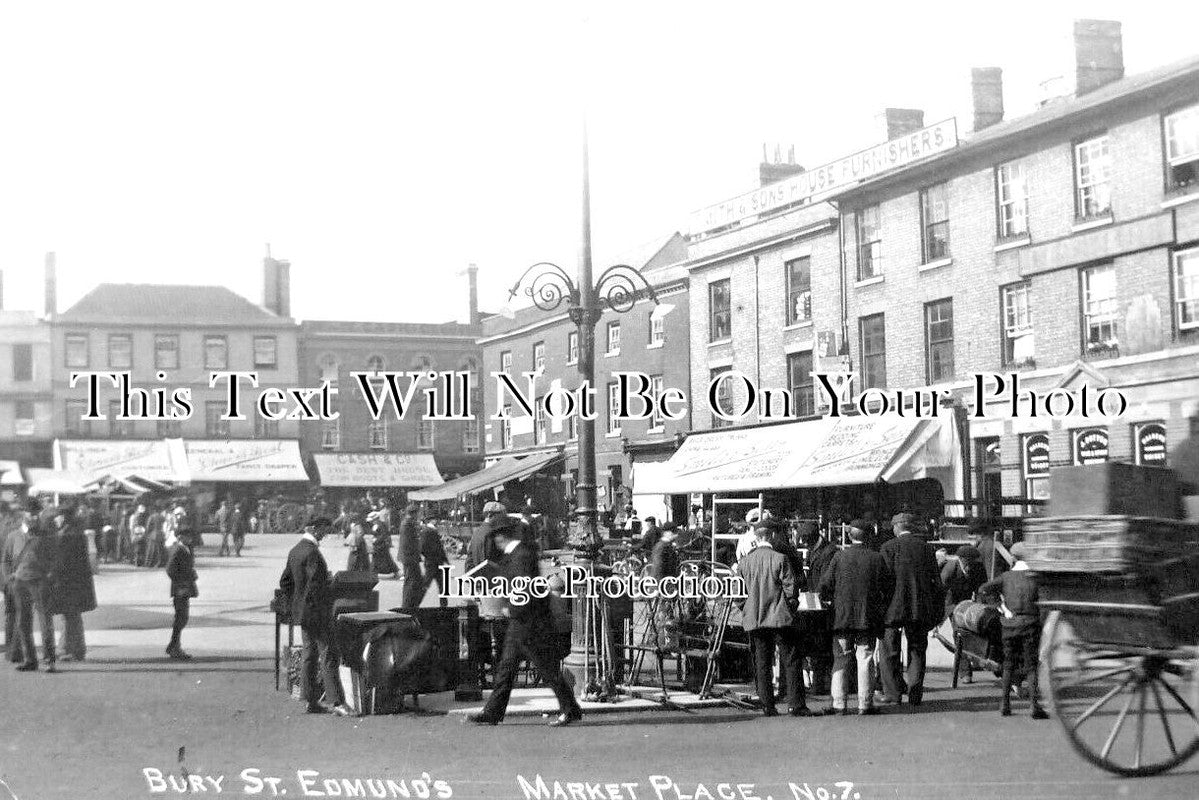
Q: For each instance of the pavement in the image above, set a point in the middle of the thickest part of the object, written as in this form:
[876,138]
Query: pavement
[128,721]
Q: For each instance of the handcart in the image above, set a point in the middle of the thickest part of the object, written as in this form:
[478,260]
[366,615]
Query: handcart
[1121,647]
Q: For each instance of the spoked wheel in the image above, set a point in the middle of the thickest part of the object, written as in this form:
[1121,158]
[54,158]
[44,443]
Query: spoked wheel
[1129,710]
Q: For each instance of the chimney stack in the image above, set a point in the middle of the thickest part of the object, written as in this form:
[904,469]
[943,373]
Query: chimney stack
[472,274]
[902,121]
[51,285]
[987,86]
[276,286]
[1098,54]
[773,171]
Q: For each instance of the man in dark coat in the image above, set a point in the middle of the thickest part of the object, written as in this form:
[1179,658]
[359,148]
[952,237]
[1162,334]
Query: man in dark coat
[10,525]
[858,584]
[819,629]
[820,551]
[410,556]
[238,525]
[432,553]
[984,541]
[31,556]
[72,589]
[530,635]
[664,561]
[917,606]
[768,615]
[482,546]
[181,570]
[305,585]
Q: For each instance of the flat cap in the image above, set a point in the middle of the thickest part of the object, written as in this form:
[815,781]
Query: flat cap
[494,507]
[903,518]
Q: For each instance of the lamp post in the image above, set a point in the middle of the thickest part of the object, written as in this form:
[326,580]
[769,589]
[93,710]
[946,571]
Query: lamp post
[616,289]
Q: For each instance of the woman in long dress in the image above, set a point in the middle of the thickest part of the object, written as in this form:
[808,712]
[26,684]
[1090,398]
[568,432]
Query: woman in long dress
[359,560]
[381,558]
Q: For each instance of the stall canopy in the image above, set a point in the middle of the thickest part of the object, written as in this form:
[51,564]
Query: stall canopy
[506,469]
[240,461]
[406,470]
[57,481]
[152,459]
[10,473]
[842,451]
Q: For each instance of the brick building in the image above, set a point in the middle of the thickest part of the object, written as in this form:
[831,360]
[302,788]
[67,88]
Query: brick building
[332,350]
[1062,246]
[647,339]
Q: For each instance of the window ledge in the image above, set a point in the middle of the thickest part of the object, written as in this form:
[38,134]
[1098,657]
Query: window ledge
[612,354]
[870,281]
[654,346]
[1181,199]
[612,435]
[656,431]
[941,262]
[1091,223]
[1012,244]
[720,342]
[574,363]
[795,326]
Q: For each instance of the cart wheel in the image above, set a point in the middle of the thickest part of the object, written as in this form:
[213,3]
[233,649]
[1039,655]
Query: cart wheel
[1129,710]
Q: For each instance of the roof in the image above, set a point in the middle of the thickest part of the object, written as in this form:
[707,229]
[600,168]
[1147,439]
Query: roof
[506,469]
[326,327]
[1181,73]
[156,304]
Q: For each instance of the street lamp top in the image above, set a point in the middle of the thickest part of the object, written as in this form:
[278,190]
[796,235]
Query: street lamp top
[618,287]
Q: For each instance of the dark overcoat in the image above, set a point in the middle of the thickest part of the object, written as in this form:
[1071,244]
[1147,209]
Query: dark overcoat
[771,589]
[918,597]
[858,584]
[305,583]
[73,591]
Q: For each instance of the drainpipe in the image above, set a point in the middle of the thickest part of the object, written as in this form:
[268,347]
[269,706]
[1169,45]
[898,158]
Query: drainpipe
[757,325]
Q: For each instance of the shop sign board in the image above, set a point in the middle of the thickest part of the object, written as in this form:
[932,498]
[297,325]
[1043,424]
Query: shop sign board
[408,470]
[1090,446]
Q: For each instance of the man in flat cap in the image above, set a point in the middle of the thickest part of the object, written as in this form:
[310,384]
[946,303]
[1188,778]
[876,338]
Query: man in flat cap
[481,554]
[917,604]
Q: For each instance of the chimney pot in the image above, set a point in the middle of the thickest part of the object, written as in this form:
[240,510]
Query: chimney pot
[51,295]
[1098,54]
[902,121]
[472,273]
[987,86]
[774,171]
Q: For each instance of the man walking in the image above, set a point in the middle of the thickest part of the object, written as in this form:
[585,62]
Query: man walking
[305,585]
[10,526]
[72,589]
[530,635]
[238,525]
[859,586]
[917,603]
[223,515]
[769,618]
[30,559]
[181,570]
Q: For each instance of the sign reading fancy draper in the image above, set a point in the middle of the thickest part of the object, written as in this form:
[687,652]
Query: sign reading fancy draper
[829,178]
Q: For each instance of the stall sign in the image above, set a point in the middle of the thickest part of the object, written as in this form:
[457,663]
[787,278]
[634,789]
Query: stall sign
[825,180]
[1151,444]
[1090,446]
[409,470]
[148,458]
[231,460]
[1036,454]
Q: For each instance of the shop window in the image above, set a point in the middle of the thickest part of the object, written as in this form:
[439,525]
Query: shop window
[1011,193]
[1100,309]
[1019,347]
[874,352]
[1093,178]
[166,351]
[1182,149]
[869,241]
[934,213]
[799,290]
[938,332]
[720,313]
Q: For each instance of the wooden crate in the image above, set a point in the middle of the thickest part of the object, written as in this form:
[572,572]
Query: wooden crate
[1106,544]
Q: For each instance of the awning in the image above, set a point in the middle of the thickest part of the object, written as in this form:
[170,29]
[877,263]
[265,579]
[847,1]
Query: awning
[57,481]
[645,476]
[10,473]
[150,458]
[843,451]
[240,460]
[506,469]
[128,484]
[407,470]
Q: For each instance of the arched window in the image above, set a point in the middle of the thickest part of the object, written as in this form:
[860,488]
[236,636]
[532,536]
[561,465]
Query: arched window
[375,364]
[422,364]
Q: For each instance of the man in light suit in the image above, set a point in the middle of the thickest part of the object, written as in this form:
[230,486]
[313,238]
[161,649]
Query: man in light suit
[305,584]
[769,618]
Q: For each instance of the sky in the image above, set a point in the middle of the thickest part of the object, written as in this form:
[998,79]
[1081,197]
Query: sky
[380,147]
